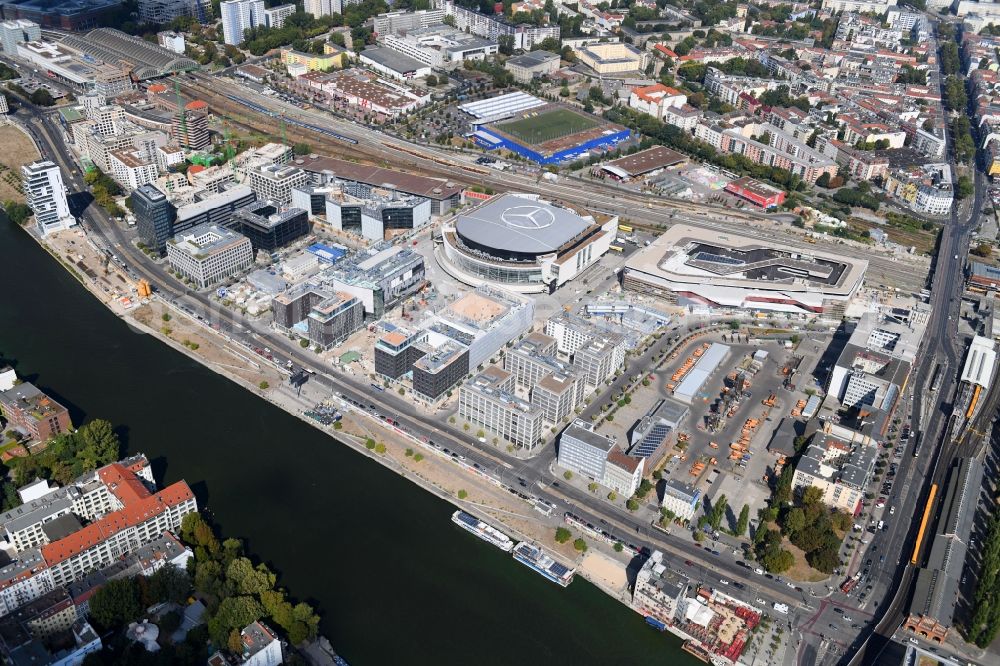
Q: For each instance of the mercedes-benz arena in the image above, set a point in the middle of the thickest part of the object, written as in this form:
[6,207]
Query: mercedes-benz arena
[525,244]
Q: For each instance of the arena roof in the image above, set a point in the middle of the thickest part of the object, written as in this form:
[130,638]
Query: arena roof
[516,224]
[146,60]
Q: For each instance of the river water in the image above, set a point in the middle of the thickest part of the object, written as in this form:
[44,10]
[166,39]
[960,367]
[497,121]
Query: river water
[394,580]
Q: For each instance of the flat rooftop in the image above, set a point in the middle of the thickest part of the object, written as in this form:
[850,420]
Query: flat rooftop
[392,59]
[647,160]
[432,188]
[691,254]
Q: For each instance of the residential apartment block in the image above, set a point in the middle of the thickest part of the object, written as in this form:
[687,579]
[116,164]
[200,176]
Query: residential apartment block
[45,194]
[840,462]
[37,415]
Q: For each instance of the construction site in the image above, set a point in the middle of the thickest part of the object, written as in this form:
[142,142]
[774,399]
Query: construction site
[726,396]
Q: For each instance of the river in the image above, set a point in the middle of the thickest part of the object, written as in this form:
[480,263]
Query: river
[394,580]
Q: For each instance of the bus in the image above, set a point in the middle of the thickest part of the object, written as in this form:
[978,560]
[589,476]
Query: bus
[615,248]
[936,378]
[624,227]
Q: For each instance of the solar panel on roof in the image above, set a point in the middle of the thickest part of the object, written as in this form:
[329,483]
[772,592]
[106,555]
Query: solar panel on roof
[558,569]
[651,441]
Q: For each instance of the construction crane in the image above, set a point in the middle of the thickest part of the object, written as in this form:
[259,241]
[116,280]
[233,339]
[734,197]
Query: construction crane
[180,109]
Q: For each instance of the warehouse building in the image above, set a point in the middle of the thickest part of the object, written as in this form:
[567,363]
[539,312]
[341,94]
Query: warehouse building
[706,366]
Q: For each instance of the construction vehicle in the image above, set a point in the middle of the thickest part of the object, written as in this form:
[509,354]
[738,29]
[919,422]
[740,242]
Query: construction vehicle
[769,400]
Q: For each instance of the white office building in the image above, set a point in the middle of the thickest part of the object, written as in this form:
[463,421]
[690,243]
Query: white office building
[238,16]
[14,32]
[681,499]
[208,254]
[488,400]
[584,451]
[45,194]
[276,182]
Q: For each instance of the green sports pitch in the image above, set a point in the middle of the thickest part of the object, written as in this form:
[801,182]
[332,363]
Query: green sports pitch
[546,126]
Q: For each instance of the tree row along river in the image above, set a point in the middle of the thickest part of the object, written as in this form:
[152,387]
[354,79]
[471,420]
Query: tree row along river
[394,580]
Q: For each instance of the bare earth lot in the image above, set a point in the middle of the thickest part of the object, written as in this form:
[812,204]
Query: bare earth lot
[16,149]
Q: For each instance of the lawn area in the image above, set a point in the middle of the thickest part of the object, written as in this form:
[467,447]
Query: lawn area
[547,126]
[801,571]
[17,150]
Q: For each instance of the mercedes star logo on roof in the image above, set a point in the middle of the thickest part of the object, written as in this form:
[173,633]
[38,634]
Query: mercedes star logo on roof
[527,217]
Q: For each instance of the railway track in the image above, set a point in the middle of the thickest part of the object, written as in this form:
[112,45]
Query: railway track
[348,141]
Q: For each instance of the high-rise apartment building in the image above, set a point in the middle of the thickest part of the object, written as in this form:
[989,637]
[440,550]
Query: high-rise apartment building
[45,194]
[190,126]
[238,16]
[275,16]
[326,7]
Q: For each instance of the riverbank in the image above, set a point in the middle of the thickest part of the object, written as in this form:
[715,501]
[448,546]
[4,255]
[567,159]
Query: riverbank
[430,469]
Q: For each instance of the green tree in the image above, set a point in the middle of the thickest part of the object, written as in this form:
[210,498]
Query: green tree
[580,545]
[431,80]
[562,535]
[116,603]
[169,583]
[18,213]
[778,562]
[631,504]
[983,249]
[233,613]
[567,475]
[964,188]
[743,521]
[795,521]
[208,578]
[100,443]
[462,494]
[244,578]
[42,97]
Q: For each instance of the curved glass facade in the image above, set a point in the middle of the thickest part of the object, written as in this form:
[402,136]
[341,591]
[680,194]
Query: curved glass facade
[491,271]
